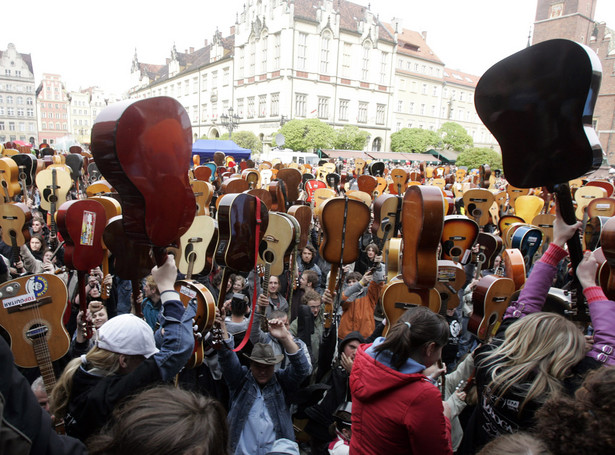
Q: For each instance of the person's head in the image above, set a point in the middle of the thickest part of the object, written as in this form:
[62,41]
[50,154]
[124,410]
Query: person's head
[239,283]
[308,254]
[274,284]
[372,251]
[309,279]
[37,225]
[38,388]
[282,316]
[350,344]
[541,348]
[37,243]
[497,261]
[312,299]
[342,420]
[263,362]
[164,420]
[352,278]
[150,289]
[588,417]
[239,304]
[419,334]
[99,313]
[516,444]
[48,256]
[123,343]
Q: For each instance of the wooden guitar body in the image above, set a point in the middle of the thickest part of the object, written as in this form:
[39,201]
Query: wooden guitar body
[514,266]
[385,217]
[451,277]
[545,222]
[303,215]
[9,177]
[132,259]
[477,203]
[263,195]
[279,236]
[203,193]
[31,313]
[593,232]
[343,221]
[237,222]
[527,207]
[44,182]
[528,240]
[459,234]
[144,149]
[490,298]
[194,243]
[491,246]
[367,183]
[584,196]
[422,224]
[604,206]
[393,258]
[14,218]
[397,298]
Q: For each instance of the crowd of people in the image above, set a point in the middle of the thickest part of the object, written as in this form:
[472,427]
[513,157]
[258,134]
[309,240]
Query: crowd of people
[422,384]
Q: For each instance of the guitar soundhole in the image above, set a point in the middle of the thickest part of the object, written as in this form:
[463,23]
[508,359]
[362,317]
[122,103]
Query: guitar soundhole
[268,256]
[455,251]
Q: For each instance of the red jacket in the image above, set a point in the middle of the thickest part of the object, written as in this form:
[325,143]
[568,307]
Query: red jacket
[395,413]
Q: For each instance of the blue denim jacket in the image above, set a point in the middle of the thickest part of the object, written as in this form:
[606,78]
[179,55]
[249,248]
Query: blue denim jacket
[243,389]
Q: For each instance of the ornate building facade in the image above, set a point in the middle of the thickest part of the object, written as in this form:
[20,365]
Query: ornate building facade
[52,106]
[17,97]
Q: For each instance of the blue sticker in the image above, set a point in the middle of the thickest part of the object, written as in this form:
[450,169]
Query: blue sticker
[37,285]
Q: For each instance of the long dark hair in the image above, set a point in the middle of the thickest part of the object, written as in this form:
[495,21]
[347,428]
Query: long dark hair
[403,341]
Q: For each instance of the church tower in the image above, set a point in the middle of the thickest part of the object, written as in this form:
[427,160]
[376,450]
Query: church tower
[569,19]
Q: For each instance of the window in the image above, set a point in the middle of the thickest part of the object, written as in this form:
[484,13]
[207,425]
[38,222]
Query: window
[435,90]
[264,51]
[262,105]
[195,114]
[275,104]
[400,106]
[179,89]
[195,84]
[1,125]
[380,108]
[214,80]
[346,60]
[187,87]
[204,111]
[325,44]
[17,73]
[302,51]
[433,110]
[225,76]
[276,52]
[57,125]
[44,125]
[300,105]
[9,99]
[1,110]
[31,127]
[365,61]
[411,108]
[204,83]
[252,59]
[11,126]
[19,100]
[362,117]
[10,111]
[7,72]
[424,89]
[323,107]
[422,109]
[1,99]
[20,112]
[398,126]
[383,68]
[22,126]
[250,107]
[240,107]
[344,109]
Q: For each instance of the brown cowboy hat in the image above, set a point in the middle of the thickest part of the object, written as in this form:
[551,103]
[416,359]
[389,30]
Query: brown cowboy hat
[263,353]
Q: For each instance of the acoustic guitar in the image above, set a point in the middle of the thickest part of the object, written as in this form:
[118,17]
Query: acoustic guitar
[528,207]
[451,277]
[477,203]
[422,224]
[303,215]
[490,299]
[584,195]
[9,178]
[397,298]
[193,245]
[601,207]
[548,139]
[14,220]
[343,222]
[514,266]
[459,234]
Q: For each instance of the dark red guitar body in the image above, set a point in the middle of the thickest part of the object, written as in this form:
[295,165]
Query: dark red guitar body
[144,149]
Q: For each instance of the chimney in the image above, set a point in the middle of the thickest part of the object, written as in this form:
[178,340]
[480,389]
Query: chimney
[232,29]
[191,50]
[424,36]
[205,43]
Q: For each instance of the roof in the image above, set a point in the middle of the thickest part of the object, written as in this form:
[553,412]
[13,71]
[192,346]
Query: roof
[448,155]
[460,78]
[413,44]
[27,58]
[350,16]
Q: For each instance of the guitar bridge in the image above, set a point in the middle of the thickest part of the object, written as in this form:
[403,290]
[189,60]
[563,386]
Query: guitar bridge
[29,305]
[404,305]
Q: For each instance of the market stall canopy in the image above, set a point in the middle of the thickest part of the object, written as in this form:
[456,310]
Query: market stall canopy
[206,148]
[446,156]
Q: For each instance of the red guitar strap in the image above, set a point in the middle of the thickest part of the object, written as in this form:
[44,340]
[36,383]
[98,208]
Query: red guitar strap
[246,337]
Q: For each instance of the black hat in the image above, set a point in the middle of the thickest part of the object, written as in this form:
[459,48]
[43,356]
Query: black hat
[348,338]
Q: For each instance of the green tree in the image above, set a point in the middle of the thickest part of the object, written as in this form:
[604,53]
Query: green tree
[309,134]
[247,140]
[414,140]
[473,158]
[455,137]
[350,138]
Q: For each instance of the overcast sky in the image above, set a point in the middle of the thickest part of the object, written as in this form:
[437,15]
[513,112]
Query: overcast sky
[92,43]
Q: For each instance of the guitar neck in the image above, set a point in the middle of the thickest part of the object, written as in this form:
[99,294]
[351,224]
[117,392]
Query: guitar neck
[83,303]
[43,358]
[331,286]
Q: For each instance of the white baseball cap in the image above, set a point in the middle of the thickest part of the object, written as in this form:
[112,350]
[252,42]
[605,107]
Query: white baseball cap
[127,334]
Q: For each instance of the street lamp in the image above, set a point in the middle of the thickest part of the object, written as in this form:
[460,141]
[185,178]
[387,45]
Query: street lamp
[283,120]
[229,121]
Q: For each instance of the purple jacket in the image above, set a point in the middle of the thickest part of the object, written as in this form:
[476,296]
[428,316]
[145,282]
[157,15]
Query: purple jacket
[601,310]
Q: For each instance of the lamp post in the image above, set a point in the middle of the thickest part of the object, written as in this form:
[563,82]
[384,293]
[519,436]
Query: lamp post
[229,121]
[283,120]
